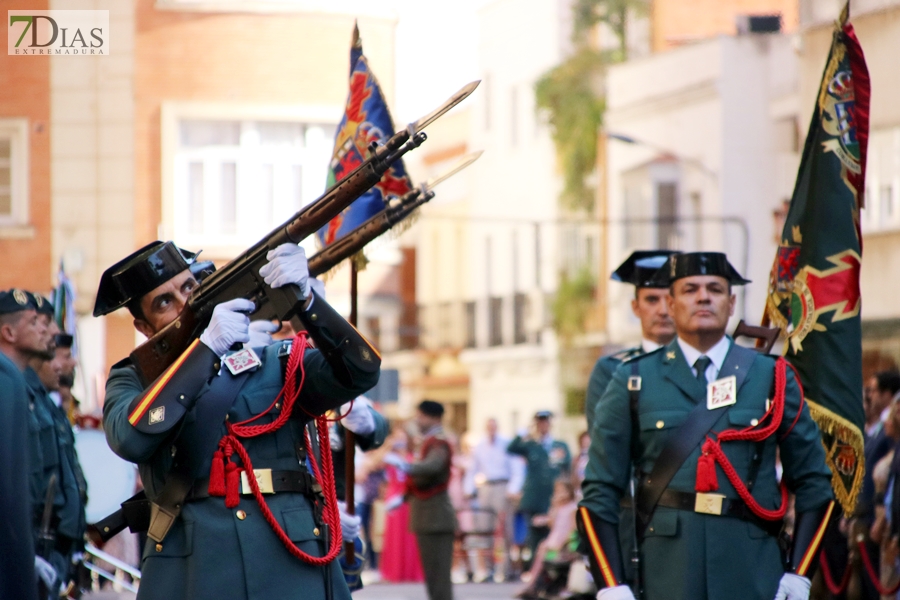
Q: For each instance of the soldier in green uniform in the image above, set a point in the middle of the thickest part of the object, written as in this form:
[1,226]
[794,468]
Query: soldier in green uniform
[189,434]
[649,306]
[17,559]
[702,419]
[546,459]
[67,525]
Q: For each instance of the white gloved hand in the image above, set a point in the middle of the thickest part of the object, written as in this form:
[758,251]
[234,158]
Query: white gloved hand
[229,324]
[261,334]
[318,286]
[395,460]
[357,416]
[45,572]
[349,523]
[287,264]
[620,592]
[793,587]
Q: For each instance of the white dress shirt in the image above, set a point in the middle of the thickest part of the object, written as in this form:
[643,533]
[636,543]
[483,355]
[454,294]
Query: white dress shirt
[716,356]
[490,462]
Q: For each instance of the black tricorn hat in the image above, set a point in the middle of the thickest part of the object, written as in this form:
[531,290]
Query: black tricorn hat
[40,304]
[679,266]
[431,408]
[64,340]
[139,273]
[15,300]
[639,268]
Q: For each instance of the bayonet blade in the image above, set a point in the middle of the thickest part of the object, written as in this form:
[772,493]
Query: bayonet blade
[455,99]
[461,164]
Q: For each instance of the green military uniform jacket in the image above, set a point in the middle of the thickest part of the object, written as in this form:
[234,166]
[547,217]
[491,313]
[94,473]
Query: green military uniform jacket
[433,514]
[600,377]
[55,449]
[213,552]
[543,468]
[688,555]
[16,531]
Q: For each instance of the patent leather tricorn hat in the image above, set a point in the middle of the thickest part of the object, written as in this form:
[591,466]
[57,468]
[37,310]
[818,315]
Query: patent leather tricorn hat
[139,273]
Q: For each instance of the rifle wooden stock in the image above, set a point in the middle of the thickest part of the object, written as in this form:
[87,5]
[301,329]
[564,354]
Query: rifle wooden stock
[240,277]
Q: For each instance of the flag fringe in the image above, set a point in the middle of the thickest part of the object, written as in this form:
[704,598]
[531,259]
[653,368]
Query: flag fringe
[847,433]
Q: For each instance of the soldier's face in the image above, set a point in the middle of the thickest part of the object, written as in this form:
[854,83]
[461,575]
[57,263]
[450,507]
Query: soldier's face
[29,333]
[162,305]
[651,306]
[701,304]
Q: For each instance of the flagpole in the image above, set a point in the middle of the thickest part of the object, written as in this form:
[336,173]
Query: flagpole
[349,436]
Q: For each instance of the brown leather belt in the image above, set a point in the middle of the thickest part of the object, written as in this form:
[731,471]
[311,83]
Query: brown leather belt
[717,504]
[269,481]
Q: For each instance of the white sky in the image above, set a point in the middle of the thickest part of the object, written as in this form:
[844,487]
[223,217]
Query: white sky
[437,53]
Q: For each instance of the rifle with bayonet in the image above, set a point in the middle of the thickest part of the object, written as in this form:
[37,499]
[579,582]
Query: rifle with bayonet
[397,210]
[240,278]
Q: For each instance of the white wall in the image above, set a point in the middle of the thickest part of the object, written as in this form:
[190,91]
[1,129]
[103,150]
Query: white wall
[710,109]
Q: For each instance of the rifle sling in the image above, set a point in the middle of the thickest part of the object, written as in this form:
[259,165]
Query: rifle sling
[204,434]
[681,442]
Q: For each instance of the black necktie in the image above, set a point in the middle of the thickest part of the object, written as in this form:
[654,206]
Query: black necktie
[701,365]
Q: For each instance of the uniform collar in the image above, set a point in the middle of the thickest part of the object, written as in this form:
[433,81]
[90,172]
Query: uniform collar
[716,354]
[647,346]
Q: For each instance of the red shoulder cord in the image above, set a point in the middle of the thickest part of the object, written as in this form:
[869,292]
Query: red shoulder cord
[712,451]
[224,477]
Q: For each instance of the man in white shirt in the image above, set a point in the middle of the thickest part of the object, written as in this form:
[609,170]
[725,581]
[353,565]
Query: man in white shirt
[495,477]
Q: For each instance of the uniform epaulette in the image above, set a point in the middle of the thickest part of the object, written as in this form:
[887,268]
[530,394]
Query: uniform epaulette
[627,354]
[641,355]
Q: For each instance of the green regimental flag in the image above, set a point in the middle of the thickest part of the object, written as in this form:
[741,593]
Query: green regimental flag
[814,285]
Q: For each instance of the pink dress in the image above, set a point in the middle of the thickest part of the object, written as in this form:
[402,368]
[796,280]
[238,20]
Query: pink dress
[399,559]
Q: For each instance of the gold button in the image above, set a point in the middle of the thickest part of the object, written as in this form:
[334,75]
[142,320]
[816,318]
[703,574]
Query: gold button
[754,422]
[278,406]
[660,424]
[651,530]
[313,316]
[316,531]
[159,547]
[241,515]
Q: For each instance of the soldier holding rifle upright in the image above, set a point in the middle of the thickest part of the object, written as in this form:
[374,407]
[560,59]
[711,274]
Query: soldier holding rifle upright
[701,421]
[212,416]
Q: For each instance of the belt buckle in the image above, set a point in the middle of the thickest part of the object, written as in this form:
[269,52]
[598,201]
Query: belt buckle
[263,480]
[708,504]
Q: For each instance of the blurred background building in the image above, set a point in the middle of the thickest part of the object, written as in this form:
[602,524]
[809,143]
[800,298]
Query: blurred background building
[213,120]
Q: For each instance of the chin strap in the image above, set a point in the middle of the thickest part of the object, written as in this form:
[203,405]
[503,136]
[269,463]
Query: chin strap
[604,553]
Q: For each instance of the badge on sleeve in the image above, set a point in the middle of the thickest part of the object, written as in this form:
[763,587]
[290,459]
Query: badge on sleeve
[242,361]
[721,392]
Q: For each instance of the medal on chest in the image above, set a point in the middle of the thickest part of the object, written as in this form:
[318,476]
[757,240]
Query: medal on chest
[721,392]
[242,361]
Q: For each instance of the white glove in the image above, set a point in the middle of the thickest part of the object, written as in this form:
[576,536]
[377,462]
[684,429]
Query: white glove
[349,523]
[357,416]
[792,587]
[318,286]
[393,502]
[45,572]
[620,592]
[261,334]
[287,264]
[395,460]
[229,324]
